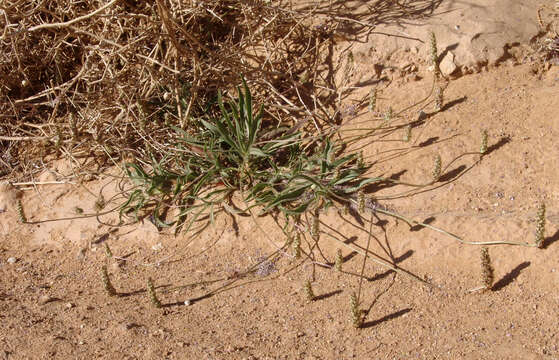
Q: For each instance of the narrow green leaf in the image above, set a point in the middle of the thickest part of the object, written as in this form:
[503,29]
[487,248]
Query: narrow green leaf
[364,182]
[257,152]
[287,195]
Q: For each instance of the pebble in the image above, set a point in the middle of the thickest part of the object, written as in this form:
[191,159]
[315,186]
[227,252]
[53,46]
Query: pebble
[447,64]
[128,325]
[81,253]
[44,299]
[12,260]
[116,266]
[69,305]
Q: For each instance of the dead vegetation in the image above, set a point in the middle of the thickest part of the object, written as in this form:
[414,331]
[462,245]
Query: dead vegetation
[91,82]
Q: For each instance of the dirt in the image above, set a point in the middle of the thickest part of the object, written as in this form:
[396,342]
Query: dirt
[53,304]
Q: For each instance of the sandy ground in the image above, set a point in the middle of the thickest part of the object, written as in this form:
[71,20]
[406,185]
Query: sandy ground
[53,305]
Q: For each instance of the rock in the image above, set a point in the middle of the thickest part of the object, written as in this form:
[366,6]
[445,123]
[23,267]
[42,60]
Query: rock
[447,64]
[81,253]
[12,260]
[116,266]
[44,299]
[128,325]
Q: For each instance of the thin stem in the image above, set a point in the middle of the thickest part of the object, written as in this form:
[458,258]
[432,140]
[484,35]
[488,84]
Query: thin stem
[365,259]
[412,222]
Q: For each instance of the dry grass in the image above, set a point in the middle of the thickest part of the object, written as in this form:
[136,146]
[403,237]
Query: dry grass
[91,81]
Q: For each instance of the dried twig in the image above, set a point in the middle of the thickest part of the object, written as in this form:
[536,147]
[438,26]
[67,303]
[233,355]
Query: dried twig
[73,21]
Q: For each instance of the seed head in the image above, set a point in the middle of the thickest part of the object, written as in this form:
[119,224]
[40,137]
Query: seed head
[434,56]
[108,251]
[437,168]
[356,316]
[540,226]
[439,94]
[309,294]
[349,65]
[297,246]
[360,160]
[337,173]
[360,202]
[372,99]
[339,261]
[483,147]
[107,281]
[389,114]
[20,212]
[486,269]
[315,226]
[407,134]
[152,294]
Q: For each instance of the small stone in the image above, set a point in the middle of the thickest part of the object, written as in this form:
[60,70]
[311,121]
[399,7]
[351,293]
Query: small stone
[187,302]
[12,260]
[447,64]
[128,325]
[116,266]
[81,253]
[69,305]
[44,299]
